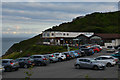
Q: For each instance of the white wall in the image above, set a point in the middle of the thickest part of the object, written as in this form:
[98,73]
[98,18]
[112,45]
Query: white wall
[117,42]
[67,34]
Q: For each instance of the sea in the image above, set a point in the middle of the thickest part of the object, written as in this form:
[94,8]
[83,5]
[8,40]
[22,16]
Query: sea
[8,42]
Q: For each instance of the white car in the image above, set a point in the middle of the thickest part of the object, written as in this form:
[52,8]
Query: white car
[110,49]
[60,56]
[107,60]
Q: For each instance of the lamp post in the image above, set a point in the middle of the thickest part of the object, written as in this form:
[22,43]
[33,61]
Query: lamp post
[68,48]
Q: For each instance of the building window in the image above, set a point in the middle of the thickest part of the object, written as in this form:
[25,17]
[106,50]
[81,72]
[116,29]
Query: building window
[48,34]
[52,34]
[64,34]
[67,34]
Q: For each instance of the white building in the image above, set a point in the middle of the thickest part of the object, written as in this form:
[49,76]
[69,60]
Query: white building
[54,34]
[57,37]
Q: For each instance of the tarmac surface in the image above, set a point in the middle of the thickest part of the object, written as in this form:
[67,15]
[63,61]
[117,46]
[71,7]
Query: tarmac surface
[65,69]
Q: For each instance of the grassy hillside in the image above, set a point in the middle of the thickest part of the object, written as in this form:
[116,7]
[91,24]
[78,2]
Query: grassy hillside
[95,22]
[31,47]
[37,49]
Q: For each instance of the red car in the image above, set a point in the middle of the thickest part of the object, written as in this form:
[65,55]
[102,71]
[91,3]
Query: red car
[95,49]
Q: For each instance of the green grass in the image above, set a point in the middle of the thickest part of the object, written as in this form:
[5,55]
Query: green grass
[38,49]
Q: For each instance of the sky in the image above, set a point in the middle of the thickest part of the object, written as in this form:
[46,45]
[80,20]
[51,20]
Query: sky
[27,19]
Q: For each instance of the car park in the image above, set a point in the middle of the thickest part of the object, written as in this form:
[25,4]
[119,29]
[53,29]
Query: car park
[88,51]
[10,65]
[110,49]
[60,56]
[40,60]
[88,63]
[52,58]
[25,62]
[108,60]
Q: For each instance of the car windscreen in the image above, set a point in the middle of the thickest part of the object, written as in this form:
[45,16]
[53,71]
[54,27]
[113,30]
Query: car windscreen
[109,46]
[57,54]
[92,60]
[22,59]
[85,49]
[4,61]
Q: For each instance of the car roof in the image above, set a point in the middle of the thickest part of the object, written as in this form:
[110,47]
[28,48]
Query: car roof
[37,55]
[23,58]
[56,53]
[85,58]
[7,59]
[105,56]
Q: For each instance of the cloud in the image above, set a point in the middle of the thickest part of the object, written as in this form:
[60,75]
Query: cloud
[34,17]
[60,0]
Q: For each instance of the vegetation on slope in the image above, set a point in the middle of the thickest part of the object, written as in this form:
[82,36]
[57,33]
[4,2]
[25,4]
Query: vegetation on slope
[95,22]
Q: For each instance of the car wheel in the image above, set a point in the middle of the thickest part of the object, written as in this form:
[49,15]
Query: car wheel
[9,69]
[95,68]
[16,69]
[77,66]
[51,61]
[109,65]
[80,55]
[25,66]
[59,59]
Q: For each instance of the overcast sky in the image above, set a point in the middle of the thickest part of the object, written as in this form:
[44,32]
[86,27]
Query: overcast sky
[23,19]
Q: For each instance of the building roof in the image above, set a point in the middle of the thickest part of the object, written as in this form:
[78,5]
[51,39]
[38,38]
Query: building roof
[107,36]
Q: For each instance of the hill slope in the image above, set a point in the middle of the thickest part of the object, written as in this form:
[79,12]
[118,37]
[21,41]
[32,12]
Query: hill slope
[95,22]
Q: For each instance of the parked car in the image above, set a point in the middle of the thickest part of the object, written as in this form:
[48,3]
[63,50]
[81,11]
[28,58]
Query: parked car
[40,60]
[98,46]
[80,53]
[117,55]
[108,60]
[68,57]
[10,64]
[25,62]
[74,53]
[60,56]
[95,49]
[71,55]
[83,46]
[2,69]
[88,51]
[52,58]
[110,49]
[117,47]
[88,63]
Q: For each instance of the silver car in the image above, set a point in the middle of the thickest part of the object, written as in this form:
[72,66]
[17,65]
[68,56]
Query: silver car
[40,60]
[107,60]
[88,63]
[10,64]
